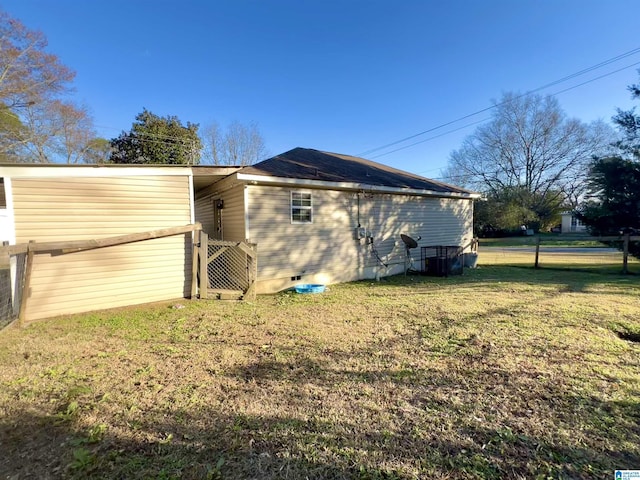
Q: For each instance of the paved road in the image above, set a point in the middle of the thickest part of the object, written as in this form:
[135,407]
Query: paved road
[556,250]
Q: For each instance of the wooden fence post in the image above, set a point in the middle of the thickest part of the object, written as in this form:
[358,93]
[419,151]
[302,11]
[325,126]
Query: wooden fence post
[252,272]
[625,254]
[195,250]
[537,252]
[204,262]
[26,285]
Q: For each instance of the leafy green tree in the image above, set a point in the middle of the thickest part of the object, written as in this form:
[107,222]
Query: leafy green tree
[504,212]
[98,150]
[628,123]
[157,140]
[11,129]
[613,205]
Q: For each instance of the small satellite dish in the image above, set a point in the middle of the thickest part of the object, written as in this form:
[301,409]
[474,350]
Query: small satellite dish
[408,241]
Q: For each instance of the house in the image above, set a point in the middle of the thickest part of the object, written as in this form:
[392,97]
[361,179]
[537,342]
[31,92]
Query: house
[48,203]
[571,224]
[316,217]
[320,217]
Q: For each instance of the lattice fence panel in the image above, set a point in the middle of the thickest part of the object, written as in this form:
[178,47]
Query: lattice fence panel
[229,270]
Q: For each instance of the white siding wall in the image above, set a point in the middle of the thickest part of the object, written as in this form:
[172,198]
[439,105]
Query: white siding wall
[204,214]
[57,209]
[233,214]
[233,225]
[327,250]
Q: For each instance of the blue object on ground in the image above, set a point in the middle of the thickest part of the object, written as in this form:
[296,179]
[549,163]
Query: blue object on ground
[309,288]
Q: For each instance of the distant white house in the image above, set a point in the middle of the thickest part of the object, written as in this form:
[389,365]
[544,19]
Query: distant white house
[572,224]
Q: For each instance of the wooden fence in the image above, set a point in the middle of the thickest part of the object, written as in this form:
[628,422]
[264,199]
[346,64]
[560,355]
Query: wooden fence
[20,289]
[221,269]
[224,270]
[625,239]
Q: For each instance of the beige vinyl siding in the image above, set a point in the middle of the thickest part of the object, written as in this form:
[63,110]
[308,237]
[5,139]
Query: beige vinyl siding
[233,225]
[328,245]
[70,208]
[233,213]
[204,214]
[286,249]
[439,221]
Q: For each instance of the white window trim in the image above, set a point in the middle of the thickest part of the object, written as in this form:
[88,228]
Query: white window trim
[309,208]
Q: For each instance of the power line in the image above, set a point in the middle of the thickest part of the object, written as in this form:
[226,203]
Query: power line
[555,82]
[596,78]
[485,119]
[431,138]
[170,140]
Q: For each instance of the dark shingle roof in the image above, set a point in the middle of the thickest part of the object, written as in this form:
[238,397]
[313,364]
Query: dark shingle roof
[309,164]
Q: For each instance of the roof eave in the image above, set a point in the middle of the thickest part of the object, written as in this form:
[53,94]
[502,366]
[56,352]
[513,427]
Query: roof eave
[25,170]
[350,186]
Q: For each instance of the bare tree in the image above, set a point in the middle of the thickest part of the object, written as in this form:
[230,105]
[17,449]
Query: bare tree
[530,145]
[57,131]
[239,145]
[76,132]
[36,124]
[27,73]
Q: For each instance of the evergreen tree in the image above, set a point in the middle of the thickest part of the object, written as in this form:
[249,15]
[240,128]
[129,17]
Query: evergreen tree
[157,140]
[613,204]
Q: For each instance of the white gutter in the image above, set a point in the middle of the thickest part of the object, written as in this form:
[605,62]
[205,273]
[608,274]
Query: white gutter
[257,179]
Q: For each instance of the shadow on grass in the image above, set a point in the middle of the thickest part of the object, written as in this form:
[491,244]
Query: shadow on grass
[433,431]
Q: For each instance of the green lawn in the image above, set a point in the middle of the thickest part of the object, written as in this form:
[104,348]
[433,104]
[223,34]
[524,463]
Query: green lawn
[501,373]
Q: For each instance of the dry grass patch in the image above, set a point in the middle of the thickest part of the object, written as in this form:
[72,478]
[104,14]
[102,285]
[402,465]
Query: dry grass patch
[501,373]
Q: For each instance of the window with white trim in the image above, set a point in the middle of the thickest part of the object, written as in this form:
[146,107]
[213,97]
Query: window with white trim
[301,207]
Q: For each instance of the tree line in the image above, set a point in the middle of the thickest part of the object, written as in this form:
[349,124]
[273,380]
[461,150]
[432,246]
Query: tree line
[40,122]
[612,205]
[532,162]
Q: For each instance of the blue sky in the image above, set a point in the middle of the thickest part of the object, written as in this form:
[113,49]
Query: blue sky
[344,76]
